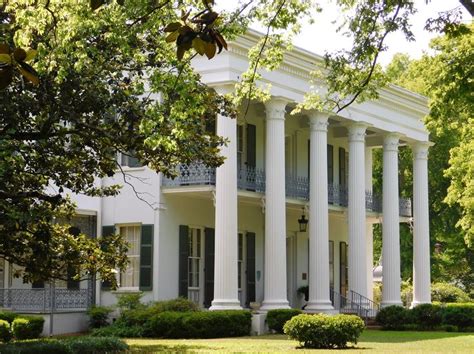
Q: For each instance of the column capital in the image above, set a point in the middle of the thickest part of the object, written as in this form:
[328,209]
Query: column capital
[420,150]
[391,141]
[357,131]
[318,121]
[275,108]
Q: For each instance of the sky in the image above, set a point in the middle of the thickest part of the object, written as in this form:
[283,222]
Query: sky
[321,37]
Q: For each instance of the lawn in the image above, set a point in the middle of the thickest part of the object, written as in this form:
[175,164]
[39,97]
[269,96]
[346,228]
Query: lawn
[370,341]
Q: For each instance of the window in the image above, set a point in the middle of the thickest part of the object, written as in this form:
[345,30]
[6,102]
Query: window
[130,277]
[194,258]
[331,264]
[128,159]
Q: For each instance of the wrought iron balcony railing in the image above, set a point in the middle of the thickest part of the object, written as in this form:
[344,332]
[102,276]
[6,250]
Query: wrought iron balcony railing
[40,300]
[297,187]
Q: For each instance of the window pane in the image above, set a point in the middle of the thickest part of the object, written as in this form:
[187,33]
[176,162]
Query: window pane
[129,278]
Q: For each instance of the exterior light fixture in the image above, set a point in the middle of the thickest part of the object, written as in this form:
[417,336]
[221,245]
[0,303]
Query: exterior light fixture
[303,222]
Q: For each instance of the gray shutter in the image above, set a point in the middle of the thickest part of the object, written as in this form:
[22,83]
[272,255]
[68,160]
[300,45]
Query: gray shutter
[330,164]
[342,167]
[209,251]
[146,258]
[251,145]
[250,268]
[183,260]
[107,231]
[343,268]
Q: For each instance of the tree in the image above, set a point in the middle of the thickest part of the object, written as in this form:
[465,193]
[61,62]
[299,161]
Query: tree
[446,78]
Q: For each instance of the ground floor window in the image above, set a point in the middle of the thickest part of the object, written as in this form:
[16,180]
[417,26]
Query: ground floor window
[194,258]
[130,277]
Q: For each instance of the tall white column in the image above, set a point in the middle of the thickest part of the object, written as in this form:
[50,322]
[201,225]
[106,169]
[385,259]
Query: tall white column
[369,226]
[226,239]
[421,231]
[356,210]
[275,208]
[391,223]
[319,300]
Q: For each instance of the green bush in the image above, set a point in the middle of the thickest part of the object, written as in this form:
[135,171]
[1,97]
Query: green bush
[206,324]
[119,329]
[445,292]
[130,301]
[393,317]
[8,316]
[427,316]
[459,315]
[324,331]
[5,334]
[276,319]
[176,305]
[82,345]
[98,316]
[27,327]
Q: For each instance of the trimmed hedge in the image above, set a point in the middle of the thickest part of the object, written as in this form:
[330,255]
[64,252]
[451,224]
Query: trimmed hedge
[82,345]
[426,316]
[324,331]
[5,333]
[459,315]
[276,319]
[119,329]
[8,316]
[393,317]
[206,324]
[27,327]
[98,316]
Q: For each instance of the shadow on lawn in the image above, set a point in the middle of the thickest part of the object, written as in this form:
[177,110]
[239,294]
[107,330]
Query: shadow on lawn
[157,348]
[401,336]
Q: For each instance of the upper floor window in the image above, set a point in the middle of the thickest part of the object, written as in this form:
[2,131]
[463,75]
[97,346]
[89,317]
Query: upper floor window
[128,159]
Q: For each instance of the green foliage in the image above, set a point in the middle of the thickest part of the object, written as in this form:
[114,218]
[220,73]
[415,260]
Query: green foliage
[426,316]
[304,290]
[206,324]
[276,319]
[8,316]
[27,327]
[119,329]
[392,317]
[445,292]
[176,305]
[98,316]
[5,333]
[460,315]
[323,331]
[130,301]
[83,345]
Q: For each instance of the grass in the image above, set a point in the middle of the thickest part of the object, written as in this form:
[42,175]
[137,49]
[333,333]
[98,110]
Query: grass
[370,341]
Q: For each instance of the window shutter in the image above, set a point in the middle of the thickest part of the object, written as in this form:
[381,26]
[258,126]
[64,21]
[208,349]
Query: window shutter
[250,268]
[146,258]
[330,164]
[251,145]
[209,251]
[342,167]
[107,231]
[183,260]
[343,268]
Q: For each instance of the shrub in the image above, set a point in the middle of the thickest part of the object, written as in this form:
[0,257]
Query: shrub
[392,317]
[130,301]
[5,334]
[458,314]
[208,324]
[119,329]
[304,290]
[445,292]
[83,345]
[98,316]
[176,305]
[324,331]
[426,316]
[27,327]
[276,319]
[8,316]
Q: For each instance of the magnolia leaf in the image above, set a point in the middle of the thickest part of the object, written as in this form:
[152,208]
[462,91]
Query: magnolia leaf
[180,52]
[199,45]
[4,48]
[174,26]
[30,54]
[29,73]
[6,76]
[210,49]
[220,39]
[5,58]
[172,37]
[19,54]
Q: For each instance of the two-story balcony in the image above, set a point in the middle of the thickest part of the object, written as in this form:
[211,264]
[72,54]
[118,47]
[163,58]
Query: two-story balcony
[297,187]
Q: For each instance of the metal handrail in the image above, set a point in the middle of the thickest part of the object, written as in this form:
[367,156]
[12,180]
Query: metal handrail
[372,307]
[347,306]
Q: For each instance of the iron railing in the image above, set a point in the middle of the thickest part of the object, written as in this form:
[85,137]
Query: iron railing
[297,187]
[371,307]
[345,305]
[41,300]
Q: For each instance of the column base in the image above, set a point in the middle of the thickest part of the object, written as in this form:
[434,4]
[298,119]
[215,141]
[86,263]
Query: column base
[415,303]
[274,305]
[217,305]
[391,303]
[320,307]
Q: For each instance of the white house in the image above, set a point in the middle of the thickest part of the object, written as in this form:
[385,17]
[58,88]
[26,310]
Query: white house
[230,236]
